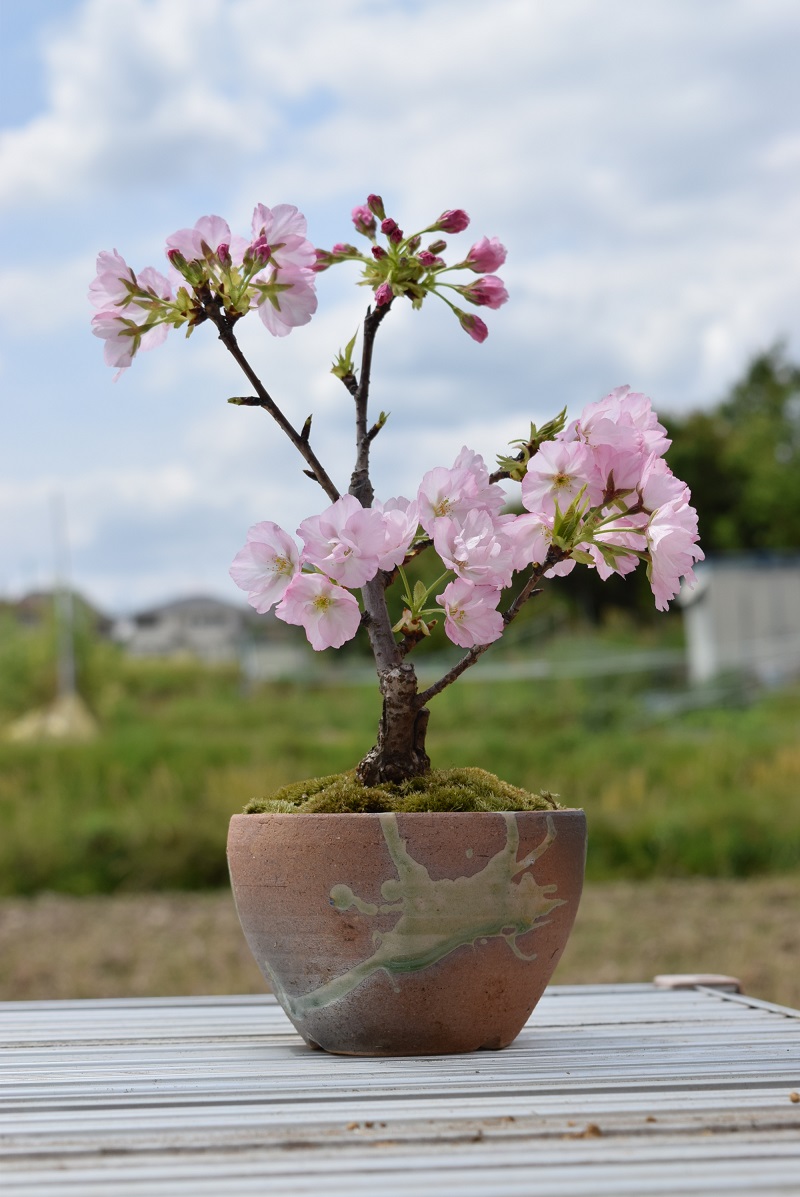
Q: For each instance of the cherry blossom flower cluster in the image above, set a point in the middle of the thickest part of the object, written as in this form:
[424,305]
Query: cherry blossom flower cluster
[402,267]
[209,269]
[597,492]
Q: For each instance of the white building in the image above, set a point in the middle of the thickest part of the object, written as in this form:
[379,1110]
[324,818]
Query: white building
[744,615]
[207,628]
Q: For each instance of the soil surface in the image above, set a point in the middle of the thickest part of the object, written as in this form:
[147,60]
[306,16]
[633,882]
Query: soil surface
[54,946]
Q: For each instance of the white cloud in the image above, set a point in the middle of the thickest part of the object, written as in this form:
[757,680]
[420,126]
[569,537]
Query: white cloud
[641,162]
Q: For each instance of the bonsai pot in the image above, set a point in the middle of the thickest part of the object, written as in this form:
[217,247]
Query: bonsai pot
[408,933]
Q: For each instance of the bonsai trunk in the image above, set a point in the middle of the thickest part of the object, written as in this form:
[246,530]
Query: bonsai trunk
[400,750]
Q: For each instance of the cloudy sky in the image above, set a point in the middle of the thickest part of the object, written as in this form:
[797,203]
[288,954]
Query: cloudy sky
[639,158]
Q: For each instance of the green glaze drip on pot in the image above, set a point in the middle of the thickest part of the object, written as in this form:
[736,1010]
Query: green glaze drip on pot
[436,917]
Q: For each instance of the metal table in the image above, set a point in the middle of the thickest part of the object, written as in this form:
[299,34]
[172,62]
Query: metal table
[610,1089]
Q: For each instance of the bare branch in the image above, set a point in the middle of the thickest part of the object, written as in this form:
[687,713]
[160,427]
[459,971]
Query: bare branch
[360,483]
[224,327]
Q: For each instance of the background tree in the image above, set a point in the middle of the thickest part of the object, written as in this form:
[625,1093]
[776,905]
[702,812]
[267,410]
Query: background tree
[741,459]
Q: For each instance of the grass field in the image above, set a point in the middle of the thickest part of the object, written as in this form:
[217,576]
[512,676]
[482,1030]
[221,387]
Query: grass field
[707,792]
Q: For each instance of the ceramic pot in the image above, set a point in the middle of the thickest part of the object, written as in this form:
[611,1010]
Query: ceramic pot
[408,934]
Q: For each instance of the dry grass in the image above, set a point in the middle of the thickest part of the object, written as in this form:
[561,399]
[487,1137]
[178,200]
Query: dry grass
[53,946]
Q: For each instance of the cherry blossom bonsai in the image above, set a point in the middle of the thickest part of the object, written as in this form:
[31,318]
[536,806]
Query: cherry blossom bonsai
[596,492]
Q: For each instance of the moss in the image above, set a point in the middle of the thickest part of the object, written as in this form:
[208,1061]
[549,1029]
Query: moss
[438,790]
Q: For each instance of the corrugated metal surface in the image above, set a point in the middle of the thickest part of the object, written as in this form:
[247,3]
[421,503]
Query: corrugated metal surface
[609,1090]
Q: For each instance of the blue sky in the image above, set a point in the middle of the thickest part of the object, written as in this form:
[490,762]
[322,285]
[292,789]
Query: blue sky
[641,161]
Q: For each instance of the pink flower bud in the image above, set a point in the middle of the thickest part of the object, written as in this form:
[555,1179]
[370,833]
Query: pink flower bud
[177,259]
[323,260]
[375,205]
[474,326]
[383,295]
[364,220]
[487,292]
[454,220]
[428,259]
[343,249]
[224,254]
[378,252]
[260,250]
[486,255]
[392,230]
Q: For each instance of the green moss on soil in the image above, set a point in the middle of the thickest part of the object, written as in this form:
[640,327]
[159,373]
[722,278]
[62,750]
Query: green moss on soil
[438,790]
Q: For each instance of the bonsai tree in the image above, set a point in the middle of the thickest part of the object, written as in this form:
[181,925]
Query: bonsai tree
[597,492]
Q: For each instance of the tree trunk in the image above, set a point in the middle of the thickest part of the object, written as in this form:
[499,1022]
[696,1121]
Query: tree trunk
[400,750]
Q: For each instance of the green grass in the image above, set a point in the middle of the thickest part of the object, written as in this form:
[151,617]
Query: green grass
[713,792]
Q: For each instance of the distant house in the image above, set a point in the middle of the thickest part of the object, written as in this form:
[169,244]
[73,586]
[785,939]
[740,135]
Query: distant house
[202,627]
[744,615]
[213,631]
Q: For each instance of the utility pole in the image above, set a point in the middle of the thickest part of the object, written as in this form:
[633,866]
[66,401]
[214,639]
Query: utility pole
[64,607]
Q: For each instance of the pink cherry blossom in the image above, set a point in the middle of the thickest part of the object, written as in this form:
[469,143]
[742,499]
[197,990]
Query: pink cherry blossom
[621,407]
[486,255]
[346,541]
[266,565]
[119,335]
[486,292]
[400,521]
[531,537]
[284,229]
[455,492]
[113,283]
[289,308]
[616,538]
[556,474]
[658,485]
[383,294]
[472,617]
[476,549]
[672,539]
[329,613]
[207,235]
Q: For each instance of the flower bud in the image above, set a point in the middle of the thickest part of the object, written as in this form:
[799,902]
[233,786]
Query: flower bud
[473,325]
[392,230]
[378,253]
[414,243]
[454,220]
[323,260]
[428,259]
[375,205]
[486,292]
[260,251]
[224,254]
[343,249]
[193,272]
[383,295]
[486,255]
[437,247]
[364,220]
[178,261]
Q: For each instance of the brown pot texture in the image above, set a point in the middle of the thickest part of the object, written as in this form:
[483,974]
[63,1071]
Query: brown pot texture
[408,934]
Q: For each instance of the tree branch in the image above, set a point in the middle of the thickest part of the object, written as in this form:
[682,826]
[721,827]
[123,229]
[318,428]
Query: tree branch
[360,484]
[554,555]
[224,326]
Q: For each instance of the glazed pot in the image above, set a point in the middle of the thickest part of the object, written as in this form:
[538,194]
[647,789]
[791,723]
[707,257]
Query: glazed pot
[408,934]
